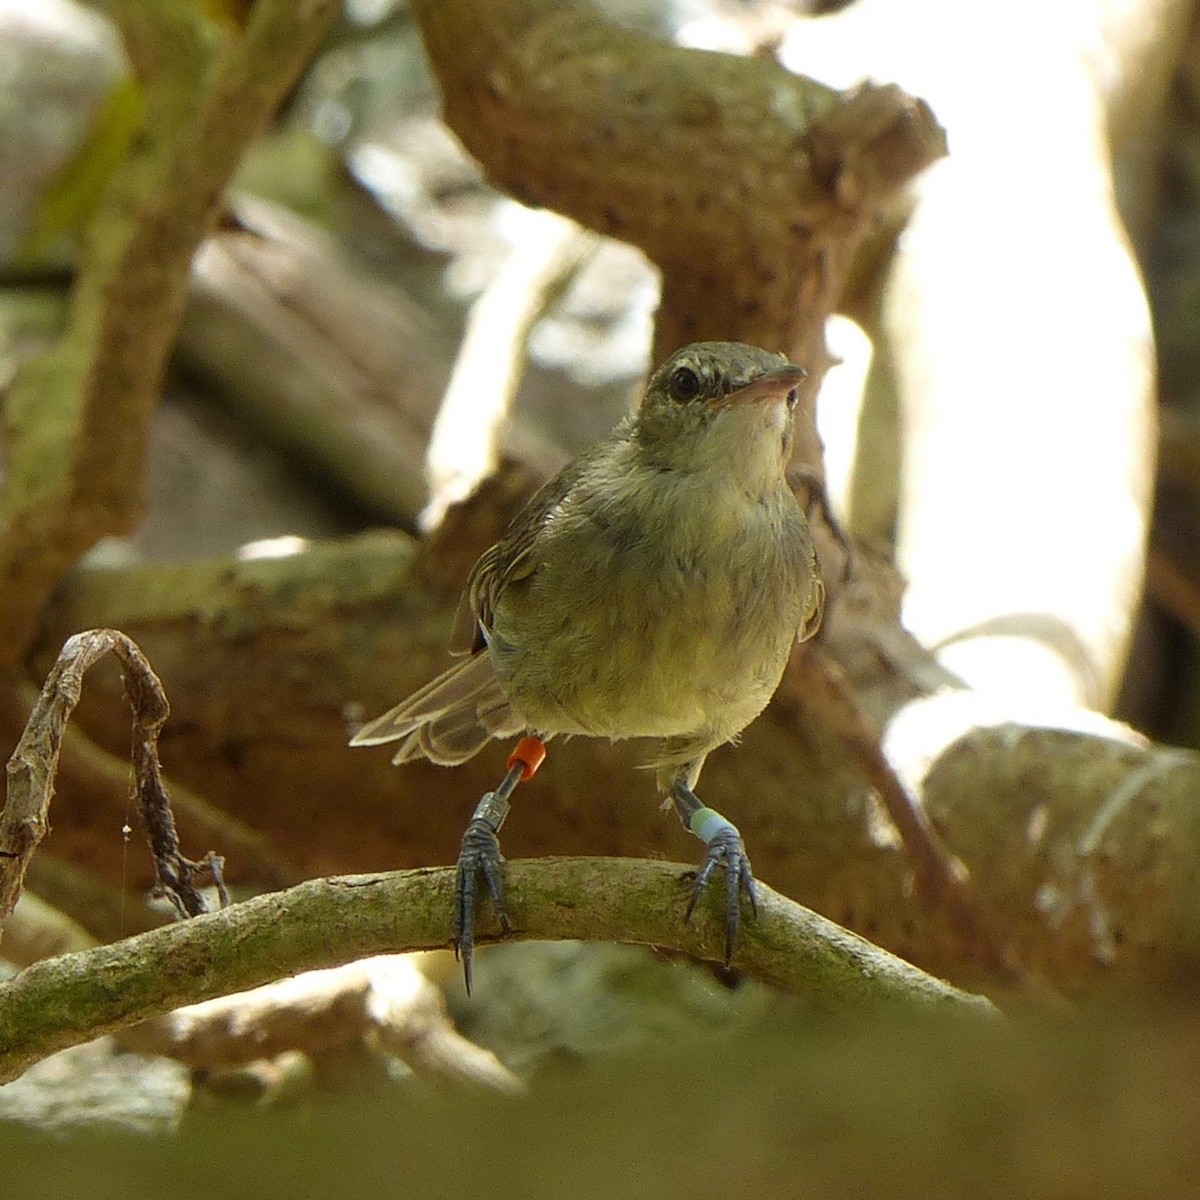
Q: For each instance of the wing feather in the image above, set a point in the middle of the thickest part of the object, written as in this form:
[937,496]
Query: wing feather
[514,556]
[461,685]
[453,716]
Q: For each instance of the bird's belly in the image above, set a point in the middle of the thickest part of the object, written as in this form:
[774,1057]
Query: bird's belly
[646,656]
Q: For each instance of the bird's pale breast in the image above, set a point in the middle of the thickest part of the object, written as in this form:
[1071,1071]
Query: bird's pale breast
[665,610]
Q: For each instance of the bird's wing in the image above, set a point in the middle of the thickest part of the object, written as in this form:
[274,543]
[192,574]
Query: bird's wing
[450,719]
[514,556]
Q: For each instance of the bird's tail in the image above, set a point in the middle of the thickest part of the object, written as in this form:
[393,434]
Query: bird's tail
[450,719]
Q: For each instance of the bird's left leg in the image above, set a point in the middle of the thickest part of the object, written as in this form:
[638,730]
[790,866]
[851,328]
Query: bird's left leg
[725,850]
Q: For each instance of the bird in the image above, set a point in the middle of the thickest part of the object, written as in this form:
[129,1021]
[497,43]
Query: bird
[652,589]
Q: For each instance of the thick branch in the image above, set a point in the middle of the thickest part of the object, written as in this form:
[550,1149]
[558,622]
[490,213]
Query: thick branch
[60,1002]
[77,416]
[265,697]
[747,185]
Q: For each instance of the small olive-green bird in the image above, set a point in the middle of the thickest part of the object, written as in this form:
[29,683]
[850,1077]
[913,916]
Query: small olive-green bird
[654,589]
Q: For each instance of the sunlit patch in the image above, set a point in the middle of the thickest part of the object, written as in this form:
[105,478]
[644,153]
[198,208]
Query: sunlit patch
[1037,825]
[276,547]
[881,831]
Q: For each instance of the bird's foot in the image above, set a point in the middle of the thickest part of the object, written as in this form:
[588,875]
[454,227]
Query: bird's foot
[727,851]
[479,857]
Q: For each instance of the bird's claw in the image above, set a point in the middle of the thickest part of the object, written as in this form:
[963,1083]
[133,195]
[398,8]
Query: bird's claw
[727,851]
[479,856]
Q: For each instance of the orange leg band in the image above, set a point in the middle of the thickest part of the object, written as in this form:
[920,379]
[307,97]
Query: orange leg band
[530,752]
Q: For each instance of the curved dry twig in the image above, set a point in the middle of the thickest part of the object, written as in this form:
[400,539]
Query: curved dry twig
[31,770]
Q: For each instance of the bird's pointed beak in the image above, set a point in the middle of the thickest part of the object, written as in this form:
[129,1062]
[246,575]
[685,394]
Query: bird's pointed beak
[772,386]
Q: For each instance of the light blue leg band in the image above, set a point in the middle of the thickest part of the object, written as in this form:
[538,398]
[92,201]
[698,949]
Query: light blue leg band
[707,823]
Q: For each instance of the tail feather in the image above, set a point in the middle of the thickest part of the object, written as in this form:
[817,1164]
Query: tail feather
[448,720]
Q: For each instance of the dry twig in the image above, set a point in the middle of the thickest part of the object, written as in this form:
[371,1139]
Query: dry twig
[31,769]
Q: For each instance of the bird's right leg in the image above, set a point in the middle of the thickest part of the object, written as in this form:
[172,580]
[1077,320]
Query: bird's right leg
[480,854]
[725,850]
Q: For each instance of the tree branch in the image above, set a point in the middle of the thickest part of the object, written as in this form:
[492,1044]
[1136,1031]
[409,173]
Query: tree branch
[77,416]
[325,922]
[265,697]
[749,186]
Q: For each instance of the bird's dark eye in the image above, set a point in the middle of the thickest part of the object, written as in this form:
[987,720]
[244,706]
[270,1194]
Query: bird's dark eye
[684,384]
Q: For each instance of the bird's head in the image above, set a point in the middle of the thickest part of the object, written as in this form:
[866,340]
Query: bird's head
[721,406]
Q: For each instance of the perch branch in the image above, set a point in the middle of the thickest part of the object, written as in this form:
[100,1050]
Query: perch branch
[325,922]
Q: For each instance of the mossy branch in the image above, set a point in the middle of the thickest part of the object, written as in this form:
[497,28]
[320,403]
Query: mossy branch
[76,418]
[324,922]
